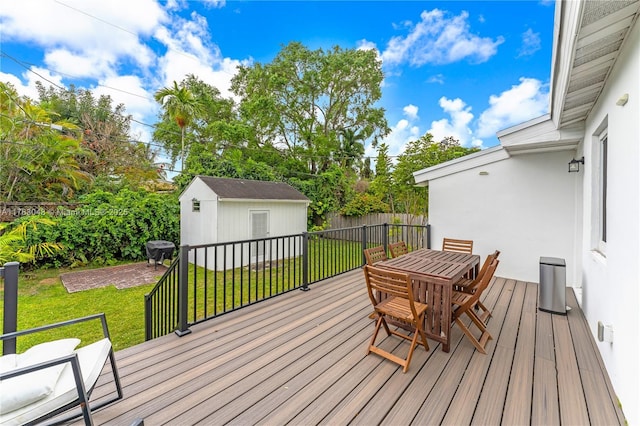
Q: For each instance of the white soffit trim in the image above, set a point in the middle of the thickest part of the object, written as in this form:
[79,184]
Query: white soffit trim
[477,159]
[540,135]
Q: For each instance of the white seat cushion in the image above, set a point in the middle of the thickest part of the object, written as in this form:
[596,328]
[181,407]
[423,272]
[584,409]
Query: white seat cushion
[23,390]
[92,359]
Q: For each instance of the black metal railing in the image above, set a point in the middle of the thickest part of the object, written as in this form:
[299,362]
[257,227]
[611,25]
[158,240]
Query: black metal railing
[9,276]
[208,280]
[157,320]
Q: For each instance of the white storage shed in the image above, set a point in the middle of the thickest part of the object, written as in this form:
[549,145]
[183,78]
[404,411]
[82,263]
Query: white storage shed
[221,210]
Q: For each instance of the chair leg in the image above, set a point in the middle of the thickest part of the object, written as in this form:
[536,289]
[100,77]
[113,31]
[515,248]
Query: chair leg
[486,313]
[471,337]
[375,335]
[404,363]
[485,336]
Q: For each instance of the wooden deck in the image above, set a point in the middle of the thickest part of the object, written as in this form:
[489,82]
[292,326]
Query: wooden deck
[300,359]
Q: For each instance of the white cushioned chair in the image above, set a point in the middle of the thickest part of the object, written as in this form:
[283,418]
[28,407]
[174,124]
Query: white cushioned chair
[53,377]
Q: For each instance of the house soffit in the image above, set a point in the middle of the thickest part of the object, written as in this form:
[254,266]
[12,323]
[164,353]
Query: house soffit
[602,27]
[477,159]
[540,136]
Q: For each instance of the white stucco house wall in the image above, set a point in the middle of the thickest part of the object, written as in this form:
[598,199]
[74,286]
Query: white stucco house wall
[520,198]
[221,210]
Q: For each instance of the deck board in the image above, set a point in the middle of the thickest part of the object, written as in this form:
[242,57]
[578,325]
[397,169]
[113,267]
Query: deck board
[300,359]
[521,379]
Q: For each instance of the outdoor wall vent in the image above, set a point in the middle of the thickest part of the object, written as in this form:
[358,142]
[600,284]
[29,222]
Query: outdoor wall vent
[195,205]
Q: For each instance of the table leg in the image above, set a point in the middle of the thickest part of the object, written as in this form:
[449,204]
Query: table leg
[438,318]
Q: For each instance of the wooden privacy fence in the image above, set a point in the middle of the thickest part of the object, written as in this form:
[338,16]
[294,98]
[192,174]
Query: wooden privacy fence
[337,221]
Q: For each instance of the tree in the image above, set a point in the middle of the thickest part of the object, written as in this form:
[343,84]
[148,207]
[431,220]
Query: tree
[13,241]
[351,150]
[418,155]
[117,159]
[40,156]
[381,185]
[180,105]
[304,100]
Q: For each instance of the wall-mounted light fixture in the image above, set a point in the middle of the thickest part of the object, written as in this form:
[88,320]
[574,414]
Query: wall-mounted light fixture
[574,165]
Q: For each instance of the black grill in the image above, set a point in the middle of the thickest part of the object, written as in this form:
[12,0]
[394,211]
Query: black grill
[159,250]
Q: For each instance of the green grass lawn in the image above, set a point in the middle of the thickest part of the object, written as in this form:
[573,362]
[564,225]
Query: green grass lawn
[42,299]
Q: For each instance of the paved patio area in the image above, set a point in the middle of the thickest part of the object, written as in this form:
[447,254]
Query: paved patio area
[121,276]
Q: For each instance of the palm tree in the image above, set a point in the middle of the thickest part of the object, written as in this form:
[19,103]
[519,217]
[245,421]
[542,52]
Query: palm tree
[180,104]
[352,148]
[13,241]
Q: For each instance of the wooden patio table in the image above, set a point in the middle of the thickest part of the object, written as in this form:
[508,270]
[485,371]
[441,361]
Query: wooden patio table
[433,273]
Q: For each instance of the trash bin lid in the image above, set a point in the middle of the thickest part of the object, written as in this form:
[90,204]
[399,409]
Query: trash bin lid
[555,261]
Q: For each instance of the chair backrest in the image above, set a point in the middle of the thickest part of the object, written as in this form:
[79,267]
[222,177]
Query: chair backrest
[398,249]
[375,254]
[490,258]
[485,279]
[393,283]
[459,246]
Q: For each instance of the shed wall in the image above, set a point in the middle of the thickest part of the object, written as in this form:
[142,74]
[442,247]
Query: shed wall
[198,227]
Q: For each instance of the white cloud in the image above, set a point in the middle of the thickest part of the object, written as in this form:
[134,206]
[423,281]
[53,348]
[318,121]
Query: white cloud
[530,43]
[522,102]
[439,39]
[73,29]
[102,46]
[458,125]
[404,131]
[191,52]
[438,78]
[31,77]
[411,111]
[215,3]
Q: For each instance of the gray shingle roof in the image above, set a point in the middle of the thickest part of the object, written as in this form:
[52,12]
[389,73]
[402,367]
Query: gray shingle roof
[246,189]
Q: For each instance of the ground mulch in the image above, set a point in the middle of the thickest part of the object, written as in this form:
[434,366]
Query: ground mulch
[121,276]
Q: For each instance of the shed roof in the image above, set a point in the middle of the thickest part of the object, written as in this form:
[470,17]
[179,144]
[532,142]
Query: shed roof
[246,189]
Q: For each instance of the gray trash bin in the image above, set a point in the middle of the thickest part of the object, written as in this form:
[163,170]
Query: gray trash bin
[553,282]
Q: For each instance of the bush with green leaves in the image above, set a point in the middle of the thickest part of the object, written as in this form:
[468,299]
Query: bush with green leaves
[106,228]
[363,204]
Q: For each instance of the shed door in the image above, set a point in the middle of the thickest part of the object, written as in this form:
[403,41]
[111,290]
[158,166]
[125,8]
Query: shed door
[260,229]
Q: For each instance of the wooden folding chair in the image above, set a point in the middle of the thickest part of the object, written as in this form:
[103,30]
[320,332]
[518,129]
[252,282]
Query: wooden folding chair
[470,286]
[398,249]
[458,246]
[375,254]
[464,303]
[398,306]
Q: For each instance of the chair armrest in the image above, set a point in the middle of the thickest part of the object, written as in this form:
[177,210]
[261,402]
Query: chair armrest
[71,358]
[101,316]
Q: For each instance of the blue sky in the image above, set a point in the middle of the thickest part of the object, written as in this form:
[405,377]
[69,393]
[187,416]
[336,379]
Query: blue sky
[452,68]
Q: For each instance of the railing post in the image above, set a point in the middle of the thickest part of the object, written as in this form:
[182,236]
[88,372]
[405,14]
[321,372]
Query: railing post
[364,243]
[147,317]
[305,262]
[183,291]
[385,236]
[10,318]
[428,236]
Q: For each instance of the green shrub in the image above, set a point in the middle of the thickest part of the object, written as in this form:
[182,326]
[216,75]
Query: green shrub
[363,204]
[107,228]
